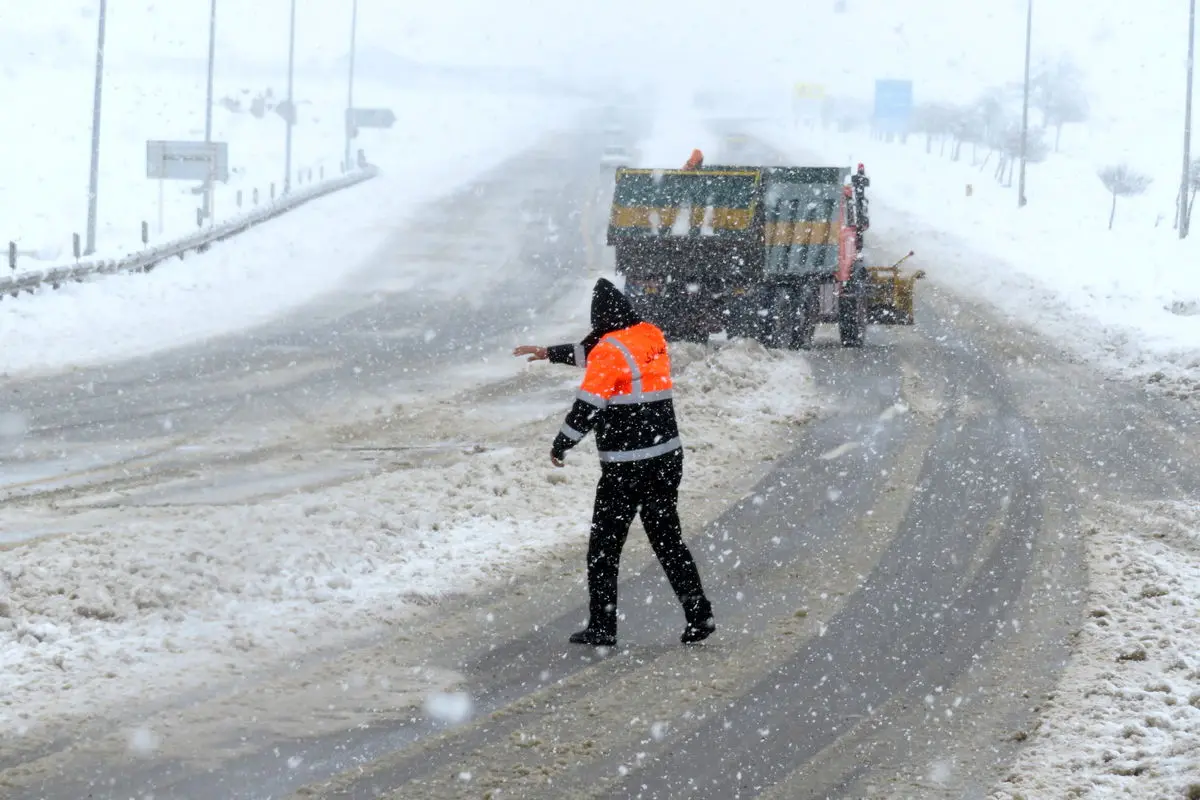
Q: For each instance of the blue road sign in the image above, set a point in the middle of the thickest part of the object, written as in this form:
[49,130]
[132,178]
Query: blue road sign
[893,105]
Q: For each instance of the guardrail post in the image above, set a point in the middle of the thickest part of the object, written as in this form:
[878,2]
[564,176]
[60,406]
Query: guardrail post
[239,199]
[272,191]
[199,217]
[75,245]
[254,195]
[12,256]
[145,232]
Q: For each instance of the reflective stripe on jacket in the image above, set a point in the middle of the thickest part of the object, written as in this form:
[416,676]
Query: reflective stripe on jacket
[626,398]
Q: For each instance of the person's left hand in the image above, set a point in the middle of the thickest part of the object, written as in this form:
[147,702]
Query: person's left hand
[535,352]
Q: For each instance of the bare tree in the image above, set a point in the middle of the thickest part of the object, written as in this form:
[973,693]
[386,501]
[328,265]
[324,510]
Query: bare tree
[992,112]
[1122,181]
[1058,92]
[1008,143]
[964,127]
[986,120]
[934,120]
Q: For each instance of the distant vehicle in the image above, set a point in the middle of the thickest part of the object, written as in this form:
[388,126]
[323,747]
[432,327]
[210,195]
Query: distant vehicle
[734,149]
[615,155]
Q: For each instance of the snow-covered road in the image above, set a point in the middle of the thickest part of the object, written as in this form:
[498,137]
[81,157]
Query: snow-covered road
[893,538]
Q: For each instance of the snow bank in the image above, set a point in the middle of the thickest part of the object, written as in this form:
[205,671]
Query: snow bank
[1127,299]
[148,602]
[287,262]
[1125,720]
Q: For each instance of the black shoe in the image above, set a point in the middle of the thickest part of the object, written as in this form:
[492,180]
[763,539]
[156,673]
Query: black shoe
[698,633]
[698,613]
[594,637]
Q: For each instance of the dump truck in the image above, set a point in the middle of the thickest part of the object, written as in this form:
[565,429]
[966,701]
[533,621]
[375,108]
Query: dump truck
[764,253]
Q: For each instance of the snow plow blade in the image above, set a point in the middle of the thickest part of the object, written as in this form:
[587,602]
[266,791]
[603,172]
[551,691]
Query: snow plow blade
[890,294]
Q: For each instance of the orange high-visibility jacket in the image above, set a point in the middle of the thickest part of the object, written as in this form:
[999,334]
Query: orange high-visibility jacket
[625,397]
[695,161]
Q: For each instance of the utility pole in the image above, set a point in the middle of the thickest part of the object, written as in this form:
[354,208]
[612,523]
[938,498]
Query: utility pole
[291,102]
[1025,107]
[94,173]
[208,108]
[350,93]
[1187,125]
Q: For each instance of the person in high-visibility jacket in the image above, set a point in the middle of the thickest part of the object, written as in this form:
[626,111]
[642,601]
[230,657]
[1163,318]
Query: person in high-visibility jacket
[695,160]
[626,399]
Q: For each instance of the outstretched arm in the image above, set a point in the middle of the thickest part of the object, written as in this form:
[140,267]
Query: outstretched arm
[574,355]
[570,354]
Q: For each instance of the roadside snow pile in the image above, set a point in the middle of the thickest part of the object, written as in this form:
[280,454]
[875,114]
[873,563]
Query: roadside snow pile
[1126,298]
[146,602]
[1125,721]
[742,384]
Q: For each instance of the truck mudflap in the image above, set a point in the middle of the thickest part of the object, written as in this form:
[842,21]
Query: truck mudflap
[890,294]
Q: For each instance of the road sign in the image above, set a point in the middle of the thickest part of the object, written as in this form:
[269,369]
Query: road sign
[810,91]
[893,106]
[808,101]
[370,118]
[187,161]
[286,111]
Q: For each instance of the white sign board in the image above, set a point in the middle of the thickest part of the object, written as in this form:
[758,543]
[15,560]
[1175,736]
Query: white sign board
[187,161]
[370,117]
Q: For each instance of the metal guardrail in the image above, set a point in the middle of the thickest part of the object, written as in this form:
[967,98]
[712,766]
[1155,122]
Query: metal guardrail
[145,260]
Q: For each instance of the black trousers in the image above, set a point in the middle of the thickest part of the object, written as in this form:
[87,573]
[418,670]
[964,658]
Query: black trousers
[651,488]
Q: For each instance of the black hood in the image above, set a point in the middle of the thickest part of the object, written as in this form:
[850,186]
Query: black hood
[611,310]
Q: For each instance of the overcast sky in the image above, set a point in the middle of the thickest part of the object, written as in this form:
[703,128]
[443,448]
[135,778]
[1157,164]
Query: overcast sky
[949,48]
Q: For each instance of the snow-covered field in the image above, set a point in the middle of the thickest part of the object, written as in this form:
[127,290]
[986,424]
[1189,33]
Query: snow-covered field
[154,88]
[152,603]
[288,262]
[44,197]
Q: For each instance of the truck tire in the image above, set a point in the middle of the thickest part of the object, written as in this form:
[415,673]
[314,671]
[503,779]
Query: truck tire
[741,317]
[808,309]
[791,320]
[680,328]
[852,319]
[779,320]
